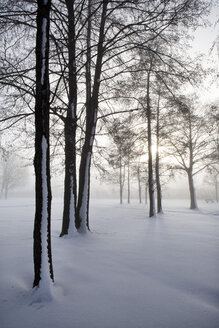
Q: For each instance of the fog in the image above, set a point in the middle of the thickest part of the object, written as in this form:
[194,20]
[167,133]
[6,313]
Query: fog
[176,188]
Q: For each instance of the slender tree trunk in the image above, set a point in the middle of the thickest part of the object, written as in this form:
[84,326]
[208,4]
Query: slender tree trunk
[150,161]
[43,270]
[128,180]
[159,194]
[120,179]
[139,185]
[88,62]
[3,183]
[193,204]
[6,191]
[70,193]
[216,189]
[146,193]
[157,165]
[82,217]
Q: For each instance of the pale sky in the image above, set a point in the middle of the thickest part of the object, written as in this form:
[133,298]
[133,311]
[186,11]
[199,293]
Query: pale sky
[206,36]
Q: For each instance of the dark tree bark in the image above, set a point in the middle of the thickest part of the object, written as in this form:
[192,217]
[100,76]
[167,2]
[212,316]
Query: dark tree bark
[157,165]
[70,191]
[88,62]
[82,218]
[150,161]
[42,236]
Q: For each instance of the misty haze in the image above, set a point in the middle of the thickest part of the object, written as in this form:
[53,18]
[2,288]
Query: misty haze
[109,164]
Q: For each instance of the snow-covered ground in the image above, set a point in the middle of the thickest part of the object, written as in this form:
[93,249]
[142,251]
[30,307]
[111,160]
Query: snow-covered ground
[129,272]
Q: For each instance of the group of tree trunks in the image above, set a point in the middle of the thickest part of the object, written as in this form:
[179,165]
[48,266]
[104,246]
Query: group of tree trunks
[103,40]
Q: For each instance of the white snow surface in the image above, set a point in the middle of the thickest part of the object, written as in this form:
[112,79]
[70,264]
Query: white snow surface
[129,272]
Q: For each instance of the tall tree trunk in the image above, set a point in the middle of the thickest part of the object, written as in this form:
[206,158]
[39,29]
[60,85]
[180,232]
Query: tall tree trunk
[150,161]
[216,188]
[3,183]
[2,191]
[88,62]
[139,185]
[70,191]
[157,165]
[6,191]
[120,179]
[43,270]
[82,217]
[146,193]
[159,194]
[193,204]
[128,180]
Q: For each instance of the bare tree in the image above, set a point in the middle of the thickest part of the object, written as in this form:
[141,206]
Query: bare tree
[188,140]
[43,268]
[70,121]
[82,219]
[157,162]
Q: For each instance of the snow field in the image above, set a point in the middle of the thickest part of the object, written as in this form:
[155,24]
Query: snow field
[129,272]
